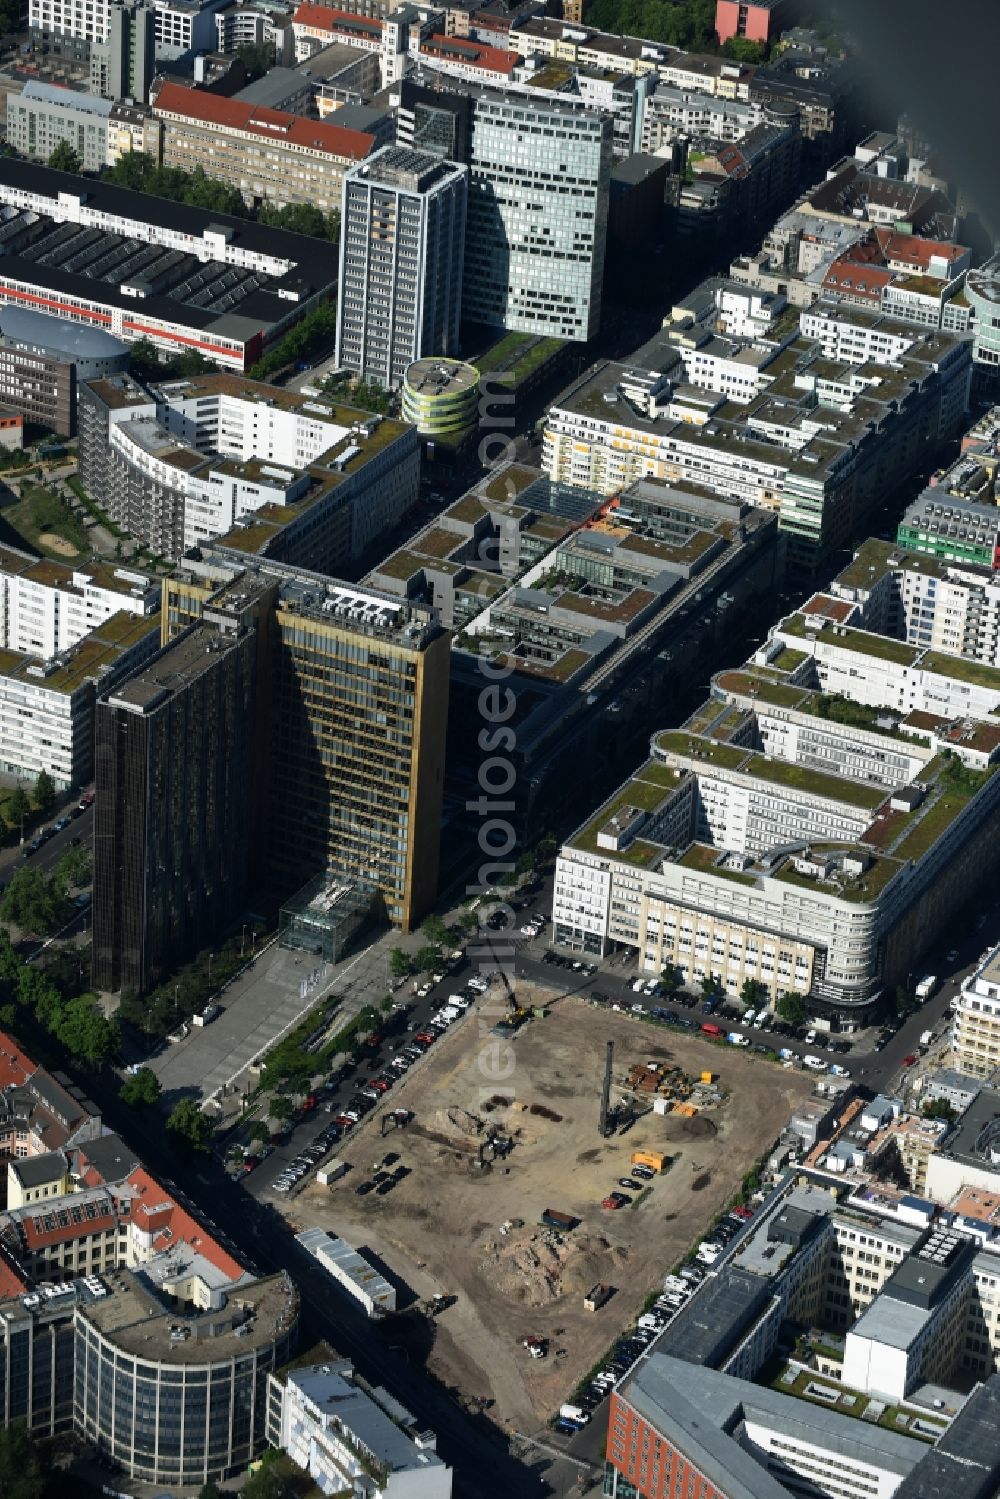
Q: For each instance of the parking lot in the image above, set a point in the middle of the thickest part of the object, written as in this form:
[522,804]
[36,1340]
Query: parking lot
[445,1225]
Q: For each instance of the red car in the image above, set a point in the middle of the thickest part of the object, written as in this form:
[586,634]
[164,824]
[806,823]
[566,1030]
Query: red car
[308,1104]
[380,1084]
[375,1040]
[743,1213]
[910,1060]
[250,1164]
[344,1122]
[426,1038]
[611,1203]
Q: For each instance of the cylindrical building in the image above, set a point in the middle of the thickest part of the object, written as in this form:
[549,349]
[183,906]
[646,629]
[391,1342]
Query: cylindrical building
[440,396]
[180,1398]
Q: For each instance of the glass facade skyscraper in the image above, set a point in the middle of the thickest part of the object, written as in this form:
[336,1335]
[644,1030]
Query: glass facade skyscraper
[538,217]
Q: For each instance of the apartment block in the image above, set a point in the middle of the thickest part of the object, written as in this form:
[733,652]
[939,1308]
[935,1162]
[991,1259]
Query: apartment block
[41,117]
[47,704]
[924,598]
[123,61]
[295,477]
[267,155]
[587,603]
[796,435]
[975,1029]
[401,248]
[48,607]
[897,1316]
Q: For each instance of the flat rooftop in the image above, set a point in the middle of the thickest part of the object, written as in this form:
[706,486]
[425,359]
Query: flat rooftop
[138,1323]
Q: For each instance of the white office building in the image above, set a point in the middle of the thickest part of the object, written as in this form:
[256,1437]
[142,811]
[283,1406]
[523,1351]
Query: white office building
[350,1438]
[401,249]
[812,827]
[47,607]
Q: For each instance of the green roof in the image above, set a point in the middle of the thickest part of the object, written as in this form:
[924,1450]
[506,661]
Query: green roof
[852,640]
[963,670]
[635,793]
[694,747]
[815,782]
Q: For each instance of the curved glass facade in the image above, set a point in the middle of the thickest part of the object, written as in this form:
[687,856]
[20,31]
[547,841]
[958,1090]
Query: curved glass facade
[175,1420]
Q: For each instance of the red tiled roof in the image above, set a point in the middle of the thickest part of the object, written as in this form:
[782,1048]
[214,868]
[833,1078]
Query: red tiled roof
[272,124]
[154,1211]
[12,1282]
[829,608]
[325,18]
[864,280]
[471,54]
[37,1237]
[15,1065]
[915,250]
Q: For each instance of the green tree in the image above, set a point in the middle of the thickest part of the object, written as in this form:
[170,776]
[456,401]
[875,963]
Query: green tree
[256,57]
[65,159]
[545,848]
[74,867]
[21,1473]
[45,791]
[18,808]
[258,1133]
[938,1108]
[280,1107]
[902,994]
[400,962]
[710,985]
[32,903]
[191,1129]
[753,992]
[427,959]
[11,966]
[436,931]
[210,1490]
[86,1032]
[791,1007]
[141,1090]
[742,49]
[670,979]
[469,922]
[526,862]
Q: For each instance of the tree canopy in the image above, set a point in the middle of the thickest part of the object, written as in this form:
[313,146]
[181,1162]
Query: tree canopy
[65,159]
[141,1090]
[33,902]
[140,172]
[21,1473]
[791,1007]
[191,1129]
[45,791]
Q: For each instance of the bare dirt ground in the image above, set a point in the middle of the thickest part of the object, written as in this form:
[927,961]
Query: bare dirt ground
[439,1229]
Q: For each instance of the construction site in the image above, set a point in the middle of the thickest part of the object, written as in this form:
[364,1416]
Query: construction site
[518,1137]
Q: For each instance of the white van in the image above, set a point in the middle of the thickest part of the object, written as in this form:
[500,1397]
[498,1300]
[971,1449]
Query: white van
[817,1064]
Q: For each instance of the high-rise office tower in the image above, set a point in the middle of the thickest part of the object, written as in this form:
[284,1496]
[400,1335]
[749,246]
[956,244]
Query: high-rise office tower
[401,246]
[306,710]
[177,771]
[123,64]
[538,216]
